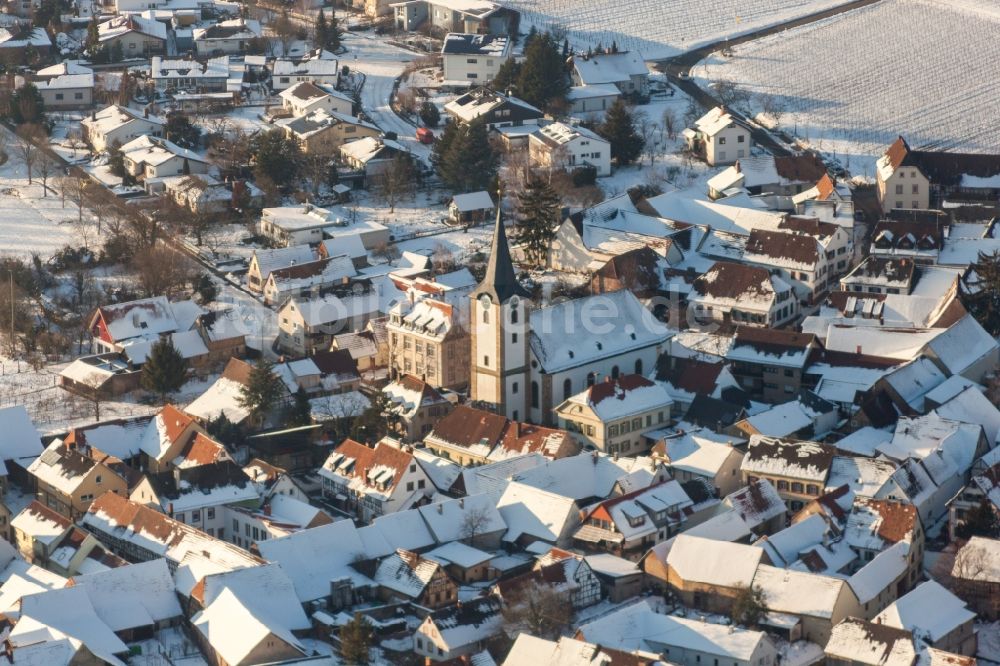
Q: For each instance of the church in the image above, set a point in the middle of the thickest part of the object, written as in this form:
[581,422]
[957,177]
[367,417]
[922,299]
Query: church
[528,358]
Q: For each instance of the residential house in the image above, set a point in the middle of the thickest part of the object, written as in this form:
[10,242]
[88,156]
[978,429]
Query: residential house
[459,631]
[808,417]
[940,618]
[770,364]
[67,480]
[322,132]
[154,157]
[473,59]
[818,602]
[530,650]
[298,225]
[229,37]
[37,531]
[591,102]
[563,572]
[797,258]
[965,349]
[920,240]
[262,262]
[701,454]
[797,469]
[471,208]
[719,137]
[119,125]
[307,325]
[781,176]
[922,179]
[169,74]
[67,91]
[642,271]
[139,35]
[628,525]
[463,563]
[471,436]
[493,108]
[567,147]
[303,98]
[407,576]
[473,520]
[198,495]
[416,407]
[612,416]
[682,641]
[373,481]
[709,574]
[308,279]
[20,444]
[430,338]
[626,70]
[478,17]
[857,642]
[873,526]
[372,155]
[881,275]
[743,295]
[319,67]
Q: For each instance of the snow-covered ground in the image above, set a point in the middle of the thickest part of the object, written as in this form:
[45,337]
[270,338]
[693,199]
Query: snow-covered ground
[382,63]
[850,84]
[662,28]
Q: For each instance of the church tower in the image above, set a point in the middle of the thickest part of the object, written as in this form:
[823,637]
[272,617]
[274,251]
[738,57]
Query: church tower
[499,331]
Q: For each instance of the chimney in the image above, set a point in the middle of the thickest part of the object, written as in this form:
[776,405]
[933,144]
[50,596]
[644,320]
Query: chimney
[857,350]
[145,112]
[267,508]
[440,508]
[593,457]
[461,502]
[170,509]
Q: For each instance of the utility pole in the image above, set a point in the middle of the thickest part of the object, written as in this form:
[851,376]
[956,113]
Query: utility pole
[13,340]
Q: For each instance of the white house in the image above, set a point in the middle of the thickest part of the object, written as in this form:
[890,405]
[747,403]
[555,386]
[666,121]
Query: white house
[139,35]
[190,75]
[305,97]
[736,293]
[119,124]
[592,101]
[67,91]
[319,67]
[231,37]
[719,137]
[299,225]
[562,146]
[153,157]
[473,59]
[626,71]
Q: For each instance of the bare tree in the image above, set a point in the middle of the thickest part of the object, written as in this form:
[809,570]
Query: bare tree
[74,140]
[26,148]
[648,130]
[397,181]
[47,166]
[316,168]
[771,106]
[474,523]
[669,120]
[541,611]
[161,270]
[730,94]
[77,188]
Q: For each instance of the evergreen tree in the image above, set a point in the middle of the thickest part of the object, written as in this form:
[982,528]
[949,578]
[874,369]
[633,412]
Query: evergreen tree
[429,114]
[261,392]
[116,54]
[442,146]
[981,521]
[373,424]
[982,294]
[333,35]
[301,409]
[355,641]
[27,106]
[322,30]
[93,35]
[542,80]
[507,75]
[467,162]
[538,210]
[619,130]
[749,606]
[224,430]
[165,370]
[276,156]
[182,131]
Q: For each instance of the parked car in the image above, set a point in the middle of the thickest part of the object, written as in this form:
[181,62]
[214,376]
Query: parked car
[425,135]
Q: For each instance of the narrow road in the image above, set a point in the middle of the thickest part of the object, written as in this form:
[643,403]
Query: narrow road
[679,65]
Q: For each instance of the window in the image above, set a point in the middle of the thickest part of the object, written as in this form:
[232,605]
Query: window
[472,61]
[614,372]
[590,431]
[236,526]
[534,395]
[612,431]
[409,486]
[514,388]
[420,484]
[210,513]
[812,489]
[78,95]
[513,338]
[513,315]
[638,366]
[741,139]
[246,529]
[486,361]
[636,424]
[486,316]
[567,388]
[916,189]
[796,487]
[899,189]
[471,75]
[515,416]
[59,95]
[196,516]
[591,379]
[98,479]
[722,140]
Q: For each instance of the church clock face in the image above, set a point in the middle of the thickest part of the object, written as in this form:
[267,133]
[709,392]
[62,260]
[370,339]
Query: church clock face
[485,302]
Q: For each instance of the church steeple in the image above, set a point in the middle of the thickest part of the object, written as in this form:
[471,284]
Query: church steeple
[501,280]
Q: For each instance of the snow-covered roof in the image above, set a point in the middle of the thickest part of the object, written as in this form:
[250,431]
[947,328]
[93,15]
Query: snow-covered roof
[115,116]
[896,343]
[559,134]
[447,520]
[699,560]
[404,529]
[149,317]
[883,570]
[788,458]
[457,553]
[316,556]
[962,345]
[921,436]
[584,330]
[67,82]
[66,613]
[18,436]
[590,474]
[133,596]
[927,610]
[861,642]
[604,68]
[714,121]
[784,420]
[699,455]
[406,572]
[978,559]
[639,627]
[472,201]
[282,257]
[265,590]
[156,151]
[532,512]
[799,592]
[234,630]
[172,68]
[619,398]
[222,397]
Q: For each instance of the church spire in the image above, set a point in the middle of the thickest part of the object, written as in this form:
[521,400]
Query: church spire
[501,280]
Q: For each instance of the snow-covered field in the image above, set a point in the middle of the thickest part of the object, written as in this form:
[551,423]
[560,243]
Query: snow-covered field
[920,68]
[662,28]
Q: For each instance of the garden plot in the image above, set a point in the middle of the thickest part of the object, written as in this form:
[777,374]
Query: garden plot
[663,28]
[851,84]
